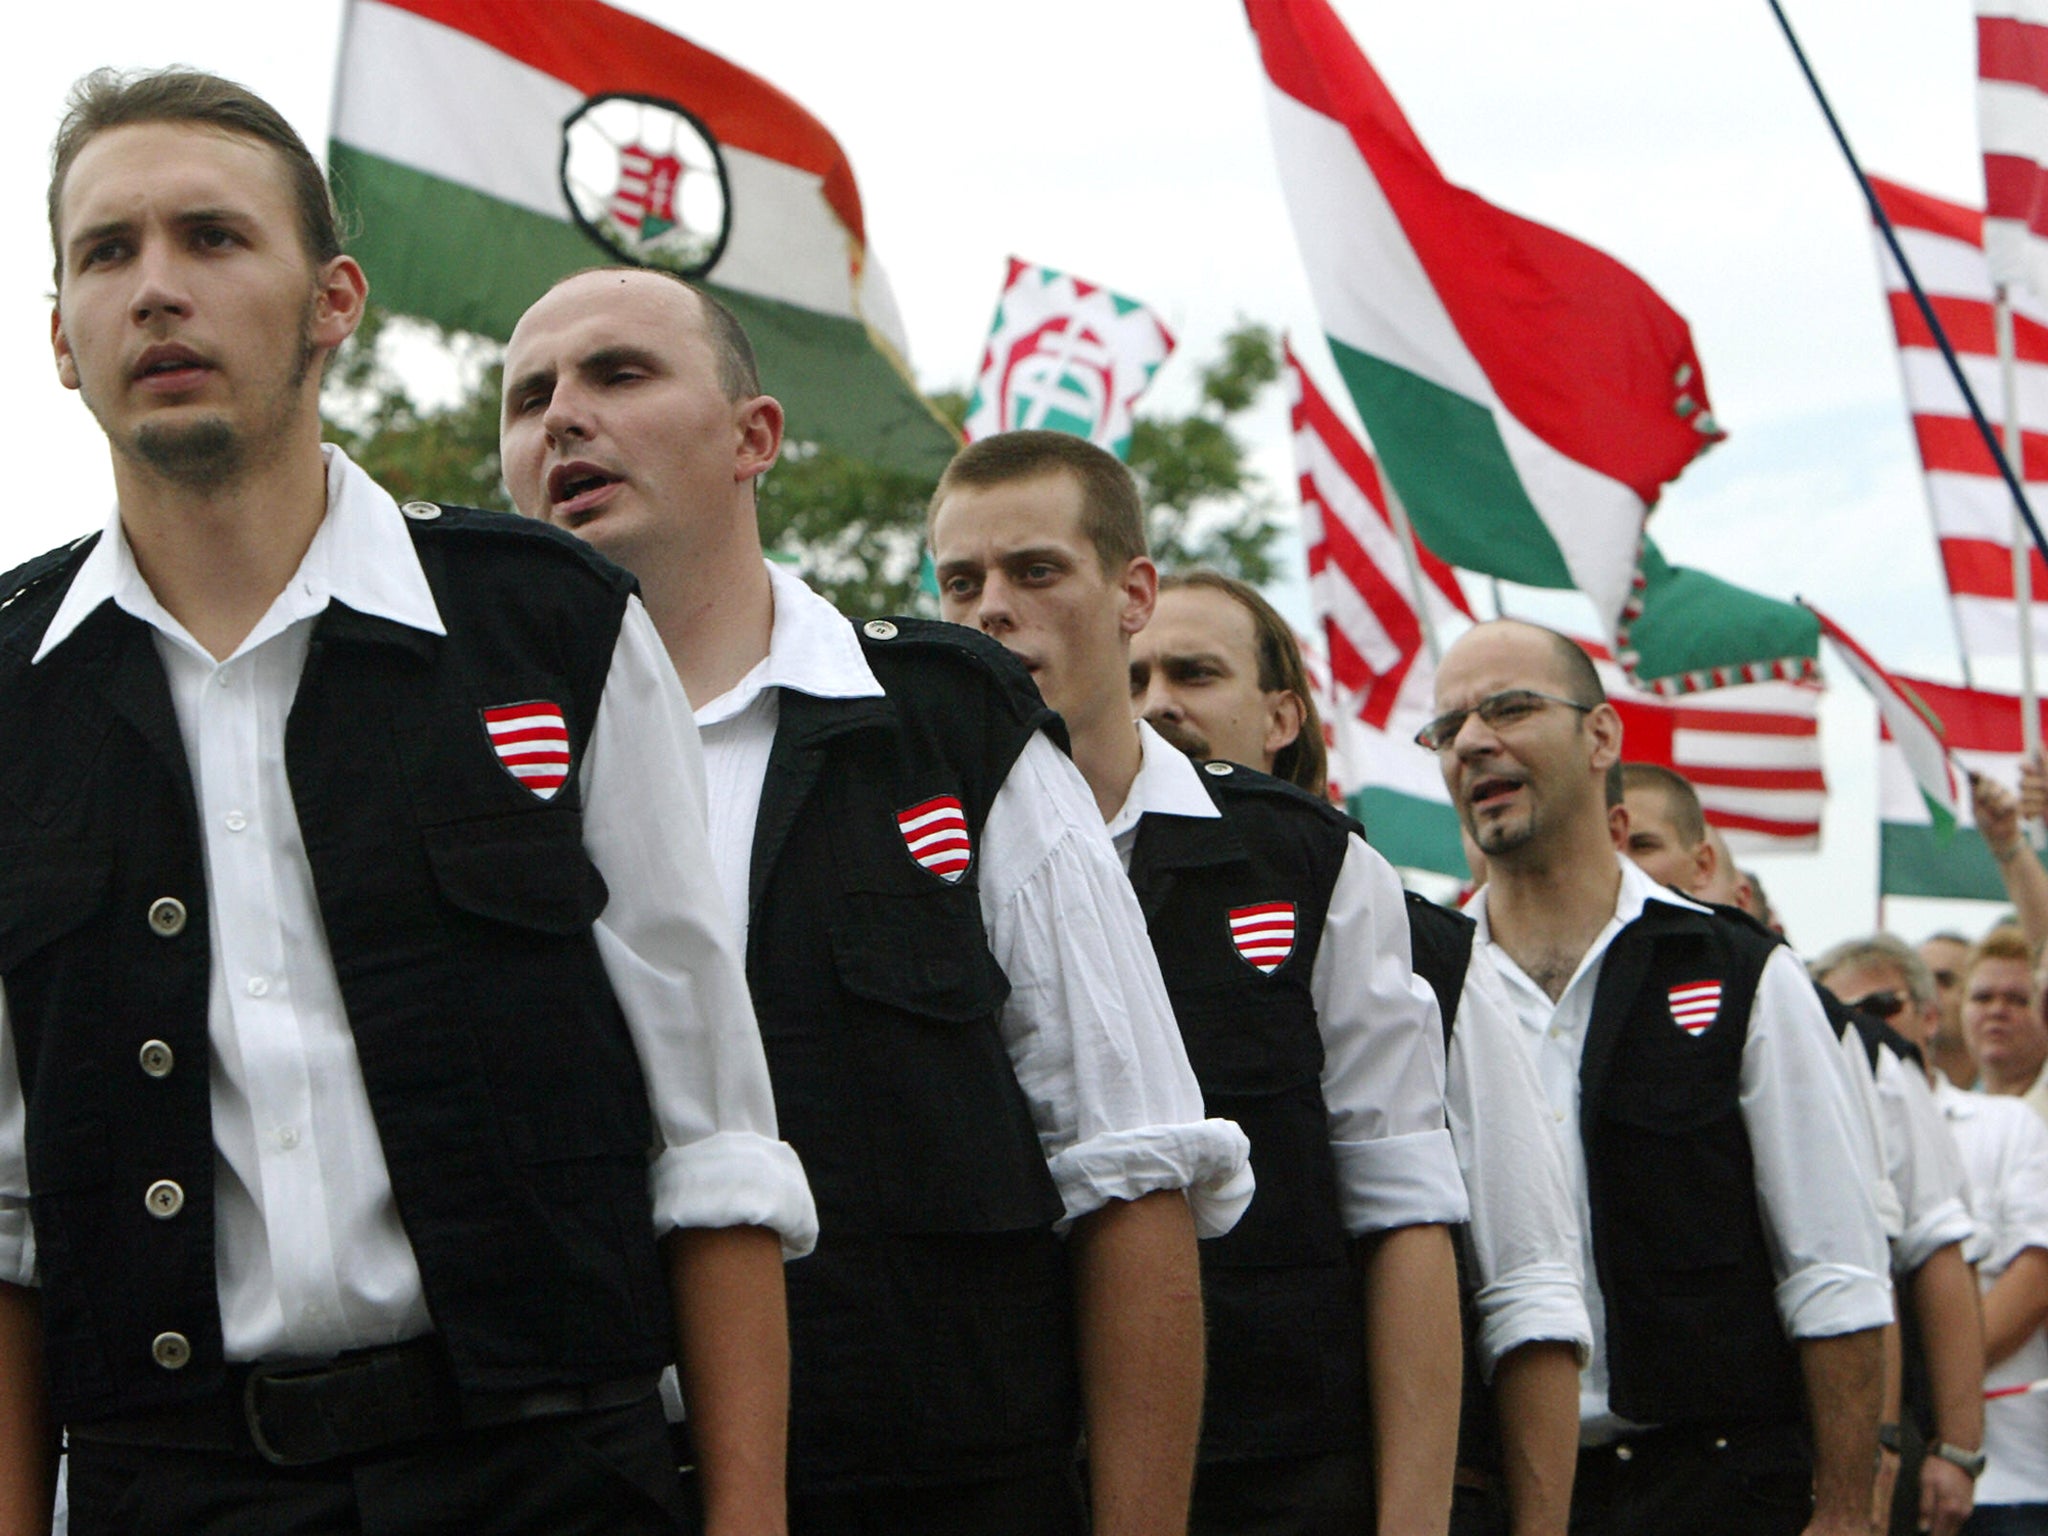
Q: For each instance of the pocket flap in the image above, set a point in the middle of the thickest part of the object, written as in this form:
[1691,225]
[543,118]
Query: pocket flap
[927,964]
[530,871]
[49,889]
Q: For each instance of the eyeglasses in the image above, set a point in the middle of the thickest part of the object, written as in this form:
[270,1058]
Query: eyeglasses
[1880,1005]
[1500,710]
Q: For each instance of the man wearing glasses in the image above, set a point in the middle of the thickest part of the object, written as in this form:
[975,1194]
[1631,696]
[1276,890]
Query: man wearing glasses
[1735,1262]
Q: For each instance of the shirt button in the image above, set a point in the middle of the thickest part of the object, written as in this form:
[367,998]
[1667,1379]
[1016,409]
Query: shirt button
[1557,1115]
[172,1351]
[167,917]
[164,1199]
[235,821]
[288,1137]
[157,1059]
[258,987]
[221,677]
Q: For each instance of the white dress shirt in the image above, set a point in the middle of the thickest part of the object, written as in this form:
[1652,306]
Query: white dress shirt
[1813,1187]
[1383,1041]
[311,1256]
[1087,1025]
[2004,1150]
[1922,1162]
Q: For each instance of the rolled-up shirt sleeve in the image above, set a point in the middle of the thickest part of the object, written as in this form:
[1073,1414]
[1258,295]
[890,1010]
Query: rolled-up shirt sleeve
[1524,1234]
[672,955]
[1827,1245]
[1383,1058]
[1925,1167]
[1088,1027]
[17,1232]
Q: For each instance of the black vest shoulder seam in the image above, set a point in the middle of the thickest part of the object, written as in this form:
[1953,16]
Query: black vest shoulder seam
[19,583]
[511,528]
[1250,781]
[904,642]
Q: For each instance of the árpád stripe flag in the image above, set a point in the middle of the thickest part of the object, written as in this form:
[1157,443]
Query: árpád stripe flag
[1357,572]
[489,149]
[1065,355]
[1968,499]
[1917,854]
[1528,395]
[2012,119]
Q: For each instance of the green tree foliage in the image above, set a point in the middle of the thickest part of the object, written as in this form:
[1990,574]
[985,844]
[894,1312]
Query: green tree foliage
[851,529]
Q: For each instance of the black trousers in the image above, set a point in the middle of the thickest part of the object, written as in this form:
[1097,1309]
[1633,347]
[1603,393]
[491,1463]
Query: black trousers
[1327,1495]
[1048,1502]
[1749,1479]
[587,1474]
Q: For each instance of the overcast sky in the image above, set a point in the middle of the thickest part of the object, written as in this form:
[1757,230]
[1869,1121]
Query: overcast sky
[1126,142]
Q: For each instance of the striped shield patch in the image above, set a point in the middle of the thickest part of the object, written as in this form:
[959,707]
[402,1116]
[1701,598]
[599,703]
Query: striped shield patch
[1263,934]
[532,743]
[1695,1005]
[936,835]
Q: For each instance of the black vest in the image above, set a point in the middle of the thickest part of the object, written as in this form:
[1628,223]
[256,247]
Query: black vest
[458,907]
[930,1331]
[1440,946]
[1281,1290]
[1678,1244]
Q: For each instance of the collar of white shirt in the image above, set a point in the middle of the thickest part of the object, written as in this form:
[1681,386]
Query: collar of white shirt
[361,556]
[1636,888]
[811,649]
[1168,784]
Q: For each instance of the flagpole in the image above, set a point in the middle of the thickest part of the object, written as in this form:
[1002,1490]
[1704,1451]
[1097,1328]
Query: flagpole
[2022,552]
[1927,314]
[1405,532]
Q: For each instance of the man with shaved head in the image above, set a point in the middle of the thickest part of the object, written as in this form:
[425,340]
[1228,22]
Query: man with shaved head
[1735,1261]
[970,1044]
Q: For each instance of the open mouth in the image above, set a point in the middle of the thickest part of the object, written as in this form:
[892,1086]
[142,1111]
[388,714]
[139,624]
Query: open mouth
[169,365]
[1491,792]
[577,490]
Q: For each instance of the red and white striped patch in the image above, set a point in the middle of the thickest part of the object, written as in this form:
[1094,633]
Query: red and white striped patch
[936,834]
[532,742]
[1264,934]
[1695,1006]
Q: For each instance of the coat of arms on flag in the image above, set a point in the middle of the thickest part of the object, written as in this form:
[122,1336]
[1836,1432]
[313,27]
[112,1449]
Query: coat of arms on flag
[1695,1005]
[1263,934]
[936,835]
[1065,356]
[532,743]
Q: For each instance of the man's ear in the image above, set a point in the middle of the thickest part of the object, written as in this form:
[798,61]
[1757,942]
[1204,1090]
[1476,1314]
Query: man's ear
[760,436]
[339,297]
[67,365]
[1603,723]
[1285,717]
[1706,864]
[1139,584]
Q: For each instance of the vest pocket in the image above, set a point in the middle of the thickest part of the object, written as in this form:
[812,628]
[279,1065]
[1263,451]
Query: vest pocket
[529,870]
[49,889]
[932,965]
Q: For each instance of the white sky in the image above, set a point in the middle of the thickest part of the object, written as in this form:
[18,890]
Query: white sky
[1125,141]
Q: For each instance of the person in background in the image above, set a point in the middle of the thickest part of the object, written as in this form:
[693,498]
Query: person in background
[1944,1047]
[1208,672]
[2002,1020]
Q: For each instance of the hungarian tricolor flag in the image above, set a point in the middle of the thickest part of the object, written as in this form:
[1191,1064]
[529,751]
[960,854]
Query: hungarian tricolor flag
[1528,395]
[1921,850]
[489,149]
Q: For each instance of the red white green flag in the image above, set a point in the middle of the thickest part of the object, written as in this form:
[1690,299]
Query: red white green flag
[1065,355]
[1914,728]
[489,149]
[1921,850]
[1528,395]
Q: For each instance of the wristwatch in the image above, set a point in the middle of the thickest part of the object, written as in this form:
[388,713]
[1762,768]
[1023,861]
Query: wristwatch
[1971,1462]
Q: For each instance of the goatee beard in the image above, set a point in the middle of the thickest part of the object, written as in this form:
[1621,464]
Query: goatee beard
[196,454]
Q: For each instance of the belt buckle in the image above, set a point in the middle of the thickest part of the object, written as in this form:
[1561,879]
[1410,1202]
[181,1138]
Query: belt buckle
[252,1414]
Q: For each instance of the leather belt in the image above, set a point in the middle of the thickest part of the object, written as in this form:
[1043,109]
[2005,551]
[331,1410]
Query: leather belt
[300,1414]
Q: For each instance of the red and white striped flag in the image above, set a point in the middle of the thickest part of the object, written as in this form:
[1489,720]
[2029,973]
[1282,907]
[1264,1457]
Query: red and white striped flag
[2012,119]
[1357,571]
[1971,507]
